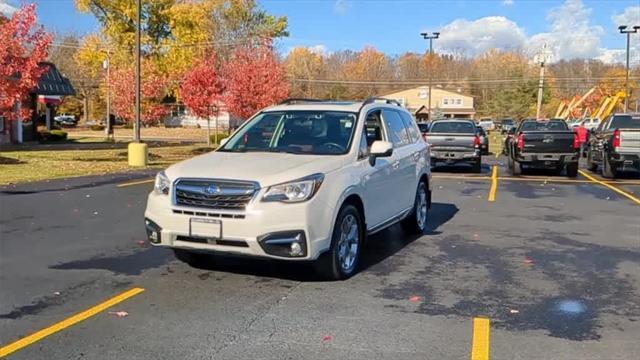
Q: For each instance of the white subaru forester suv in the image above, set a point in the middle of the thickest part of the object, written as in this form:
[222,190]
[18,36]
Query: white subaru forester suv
[303,180]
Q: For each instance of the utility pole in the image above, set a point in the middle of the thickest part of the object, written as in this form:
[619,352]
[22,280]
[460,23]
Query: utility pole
[542,57]
[107,66]
[623,30]
[426,36]
[138,151]
[136,126]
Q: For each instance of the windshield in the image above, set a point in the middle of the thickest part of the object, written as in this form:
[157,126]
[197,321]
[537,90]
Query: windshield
[507,122]
[544,126]
[454,127]
[625,122]
[296,132]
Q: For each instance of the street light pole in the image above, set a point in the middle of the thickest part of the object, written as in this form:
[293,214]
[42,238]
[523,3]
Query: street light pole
[136,136]
[623,30]
[426,36]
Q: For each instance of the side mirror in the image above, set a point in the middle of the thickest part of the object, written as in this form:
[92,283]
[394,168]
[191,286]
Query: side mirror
[380,149]
[592,131]
[223,141]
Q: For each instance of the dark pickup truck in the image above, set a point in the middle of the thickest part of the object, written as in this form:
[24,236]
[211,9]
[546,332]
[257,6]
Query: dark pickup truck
[455,141]
[615,145]
[543,144]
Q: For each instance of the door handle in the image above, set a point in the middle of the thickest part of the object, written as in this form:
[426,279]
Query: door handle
[396,165]
[416,156]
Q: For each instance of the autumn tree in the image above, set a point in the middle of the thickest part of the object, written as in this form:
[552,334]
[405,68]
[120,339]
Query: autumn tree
[23,45]
[369,65]
[201,91]
[303,66]
[254,79]
[153,91]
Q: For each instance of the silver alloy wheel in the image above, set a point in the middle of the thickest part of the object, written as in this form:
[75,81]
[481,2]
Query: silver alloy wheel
[421,207]
[348,243]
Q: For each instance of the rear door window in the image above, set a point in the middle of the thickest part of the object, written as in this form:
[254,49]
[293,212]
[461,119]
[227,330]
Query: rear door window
[410,125]
[397,132]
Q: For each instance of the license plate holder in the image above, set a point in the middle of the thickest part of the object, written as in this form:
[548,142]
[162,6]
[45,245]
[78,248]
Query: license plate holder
[210,229]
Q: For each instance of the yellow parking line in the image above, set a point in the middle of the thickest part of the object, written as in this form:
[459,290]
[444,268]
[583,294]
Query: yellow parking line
[136,183]
[39,335]
[481,342]
[494,184]
[619,191]
[453,177]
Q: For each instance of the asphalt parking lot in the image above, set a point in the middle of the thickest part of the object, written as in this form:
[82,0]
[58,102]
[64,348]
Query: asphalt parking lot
[535,267]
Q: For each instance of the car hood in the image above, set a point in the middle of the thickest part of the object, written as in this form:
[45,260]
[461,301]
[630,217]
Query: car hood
[265,168]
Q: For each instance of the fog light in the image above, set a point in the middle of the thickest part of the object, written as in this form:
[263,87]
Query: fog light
[296,249]
[285,244]
[153,231]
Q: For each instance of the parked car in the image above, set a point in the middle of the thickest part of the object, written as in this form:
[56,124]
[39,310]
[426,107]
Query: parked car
[548,144]
[455,141]
[424,129]
[300,181]
[65,120]
[487,124]
[506,125]
[615,145]
[484,141]
[590,123]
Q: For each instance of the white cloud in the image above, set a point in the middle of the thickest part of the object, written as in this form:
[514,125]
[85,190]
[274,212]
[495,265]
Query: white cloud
[6,9]
[571,34]
[319,49]
[630,17]
[507,2]
[475,37]
[341,7]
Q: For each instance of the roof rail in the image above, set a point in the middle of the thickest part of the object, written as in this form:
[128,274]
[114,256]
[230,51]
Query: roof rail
[300,100]
[387,101]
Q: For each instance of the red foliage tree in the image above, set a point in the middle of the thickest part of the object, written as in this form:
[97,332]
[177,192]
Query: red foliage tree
[123,94]
[202,88]
[254,79]
[23,44]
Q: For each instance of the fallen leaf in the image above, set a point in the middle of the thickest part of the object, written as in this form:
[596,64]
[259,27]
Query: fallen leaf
[141,242]
[119,314]
[95,213]
[87,196]
[415,298]
[56,293]
[528,261]
[514,311]
[327,338]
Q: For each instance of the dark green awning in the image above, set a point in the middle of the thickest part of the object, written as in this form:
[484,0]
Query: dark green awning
[53,83]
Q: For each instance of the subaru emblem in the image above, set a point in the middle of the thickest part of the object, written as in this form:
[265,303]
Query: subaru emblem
[211,189]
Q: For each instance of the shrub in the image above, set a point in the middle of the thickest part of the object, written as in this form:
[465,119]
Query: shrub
[97,127]
[52,136]
[128,125]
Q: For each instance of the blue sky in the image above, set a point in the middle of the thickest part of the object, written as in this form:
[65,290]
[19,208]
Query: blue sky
[572,28]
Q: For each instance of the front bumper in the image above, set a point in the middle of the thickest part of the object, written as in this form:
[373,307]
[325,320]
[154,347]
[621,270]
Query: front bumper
[244,232]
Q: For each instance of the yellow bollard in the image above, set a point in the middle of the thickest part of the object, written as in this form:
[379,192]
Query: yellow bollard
[137,154]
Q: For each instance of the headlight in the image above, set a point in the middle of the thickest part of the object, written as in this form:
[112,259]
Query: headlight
[294,191]
[162,184]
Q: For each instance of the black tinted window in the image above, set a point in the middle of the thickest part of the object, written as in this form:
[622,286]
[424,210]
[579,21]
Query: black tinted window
[544,126]
[423,127]
[456,127]
[625,122]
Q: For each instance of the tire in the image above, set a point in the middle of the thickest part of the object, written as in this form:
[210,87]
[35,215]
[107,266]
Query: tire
[192,258]
[572,170]
[334,264]
[416,222]
[591,166]
[477,166]
[516,170]
[608,171]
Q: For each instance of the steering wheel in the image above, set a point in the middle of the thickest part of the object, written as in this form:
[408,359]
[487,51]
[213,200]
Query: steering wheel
[335,145]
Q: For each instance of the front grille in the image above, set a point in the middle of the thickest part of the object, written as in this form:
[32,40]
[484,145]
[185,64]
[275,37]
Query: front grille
[214,194]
